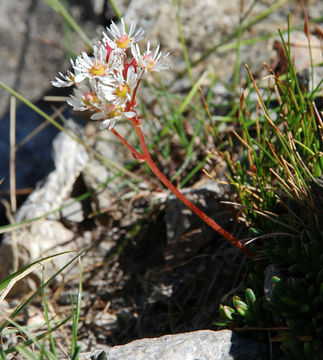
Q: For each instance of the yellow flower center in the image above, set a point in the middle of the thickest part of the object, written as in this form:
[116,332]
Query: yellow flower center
[122,91]
[149,62]
[71,77]
[113,111]
[90,98]
[123,41]
[97,69]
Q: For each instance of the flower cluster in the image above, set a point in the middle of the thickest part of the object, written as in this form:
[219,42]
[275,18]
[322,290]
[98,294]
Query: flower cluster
[106,83]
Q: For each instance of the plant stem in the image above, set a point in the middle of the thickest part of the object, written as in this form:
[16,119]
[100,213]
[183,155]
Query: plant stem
[139,157]
[185,200]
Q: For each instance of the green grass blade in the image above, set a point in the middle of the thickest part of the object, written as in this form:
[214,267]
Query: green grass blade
[39,337]
[76,353]
[51,339]
[4,284]
[182,41]
[58,7]
[39,290]
[291,65]
[2,354]
[237,61]
[34,341]
[189,150]
[76,313]
[192,92]
[37,110]
[67,34]
[197,168]
[115,9]
[28,354]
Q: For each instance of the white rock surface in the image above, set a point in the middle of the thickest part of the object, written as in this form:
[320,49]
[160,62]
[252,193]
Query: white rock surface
[47,236]
[196,345]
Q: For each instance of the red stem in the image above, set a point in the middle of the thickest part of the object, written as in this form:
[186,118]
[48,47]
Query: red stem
[181,197]
[135,153]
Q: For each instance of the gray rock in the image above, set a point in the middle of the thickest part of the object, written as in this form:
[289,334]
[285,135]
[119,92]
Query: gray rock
[69,158]
[31,47]
[47,236]
[32,50]
[73,212]
[34,46]
[207,23]
[197,345]
[186,232]
[101,176]
[34,43]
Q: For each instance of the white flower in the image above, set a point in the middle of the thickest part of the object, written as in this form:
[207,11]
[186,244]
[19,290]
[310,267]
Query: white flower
[86,97]
[106,82]
[94,66]
[147,60]
[120,38]
[119,90]
[108,123]
[67,80]
[110,114]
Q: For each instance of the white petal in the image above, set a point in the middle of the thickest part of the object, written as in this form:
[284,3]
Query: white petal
[132,28]
[97,116]
[123,25]
[107,124]
[58,83]
[165,56]
[114,29]
[129,114]
[156,52]
[79,77]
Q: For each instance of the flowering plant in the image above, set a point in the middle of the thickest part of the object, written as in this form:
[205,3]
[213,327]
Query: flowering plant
[106,84]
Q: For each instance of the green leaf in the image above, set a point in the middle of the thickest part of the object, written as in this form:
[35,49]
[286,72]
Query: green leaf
[226,311]
[240,305]
[250,296]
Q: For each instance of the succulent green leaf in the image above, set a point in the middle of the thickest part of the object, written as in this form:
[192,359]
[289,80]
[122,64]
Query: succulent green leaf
[250,297]
[240,305]
[290,301]
[276,280]
[226,311]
